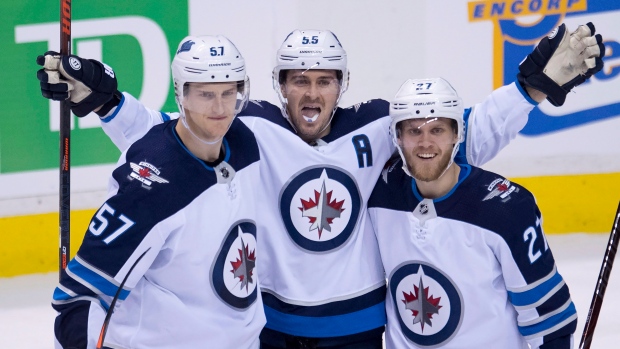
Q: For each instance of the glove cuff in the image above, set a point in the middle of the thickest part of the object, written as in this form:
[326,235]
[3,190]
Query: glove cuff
[556,95]
[107,106]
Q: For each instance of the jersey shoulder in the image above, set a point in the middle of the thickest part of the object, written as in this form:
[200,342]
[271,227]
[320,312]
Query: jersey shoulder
[265,110]
[163,150]
[242,144]
[155,162]
[394,189]
[493,202]
[357,116]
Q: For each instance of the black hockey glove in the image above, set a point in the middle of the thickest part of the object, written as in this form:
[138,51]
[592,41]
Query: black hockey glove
[88,83]
[562,61]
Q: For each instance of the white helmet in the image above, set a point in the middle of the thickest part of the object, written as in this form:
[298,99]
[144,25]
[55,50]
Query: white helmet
[426,98]
[209,59]
[310,49]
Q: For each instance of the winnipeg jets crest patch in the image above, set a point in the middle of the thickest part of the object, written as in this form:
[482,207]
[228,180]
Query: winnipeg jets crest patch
[233,273]
[145,173]
[320,207]
[428,303]
[502,188]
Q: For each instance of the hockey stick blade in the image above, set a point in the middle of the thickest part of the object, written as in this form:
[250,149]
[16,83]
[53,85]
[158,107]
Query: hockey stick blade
[108,315]
[601,285]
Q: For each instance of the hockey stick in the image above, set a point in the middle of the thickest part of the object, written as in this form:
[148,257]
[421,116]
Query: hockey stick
[64,204]
[601,285]
[108,315]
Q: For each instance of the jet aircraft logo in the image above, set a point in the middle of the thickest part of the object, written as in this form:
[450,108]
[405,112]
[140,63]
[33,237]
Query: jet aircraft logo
[145,173]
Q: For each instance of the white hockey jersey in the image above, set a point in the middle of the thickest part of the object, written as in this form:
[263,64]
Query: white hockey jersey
[471,269]
[197,285]
[320,269]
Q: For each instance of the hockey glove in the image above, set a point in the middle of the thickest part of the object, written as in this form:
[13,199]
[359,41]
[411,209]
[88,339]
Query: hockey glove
[562,61]
[88,83]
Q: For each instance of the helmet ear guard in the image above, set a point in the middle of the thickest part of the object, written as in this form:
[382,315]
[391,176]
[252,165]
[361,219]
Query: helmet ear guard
[423,99]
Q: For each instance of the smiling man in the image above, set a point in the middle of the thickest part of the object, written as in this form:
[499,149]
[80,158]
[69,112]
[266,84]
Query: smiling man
[467,262]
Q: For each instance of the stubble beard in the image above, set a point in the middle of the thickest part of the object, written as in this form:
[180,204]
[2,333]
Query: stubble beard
[427,173]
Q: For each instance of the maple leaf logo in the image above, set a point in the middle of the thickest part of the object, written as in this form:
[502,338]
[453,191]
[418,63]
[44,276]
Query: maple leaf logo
[144,172]
[322,210]
[502,187]
[421,306]
[243,266]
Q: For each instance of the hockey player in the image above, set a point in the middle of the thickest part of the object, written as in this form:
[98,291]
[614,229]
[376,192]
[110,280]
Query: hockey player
[321,276]
[183,195]
[467,262]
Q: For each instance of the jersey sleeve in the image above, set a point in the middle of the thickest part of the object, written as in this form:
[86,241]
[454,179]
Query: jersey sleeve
[547,317]
[493,123]
[131,120]
[123,229]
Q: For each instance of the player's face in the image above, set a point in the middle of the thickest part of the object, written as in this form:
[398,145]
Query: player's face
[312,97]
[427,146]
[210,108]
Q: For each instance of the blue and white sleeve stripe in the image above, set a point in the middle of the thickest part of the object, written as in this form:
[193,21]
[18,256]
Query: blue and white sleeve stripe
[535,294]
[91,278]
[550,300]
[549,323]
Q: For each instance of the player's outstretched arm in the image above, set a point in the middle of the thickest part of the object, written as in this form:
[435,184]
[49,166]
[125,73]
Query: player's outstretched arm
[556,65]
[91,86]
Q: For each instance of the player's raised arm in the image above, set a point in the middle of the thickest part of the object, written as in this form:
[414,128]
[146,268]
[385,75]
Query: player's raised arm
[557,64]
[91,87]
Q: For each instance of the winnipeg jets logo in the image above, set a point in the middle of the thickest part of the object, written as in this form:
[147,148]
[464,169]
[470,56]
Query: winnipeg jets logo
[422,305]
[502,188]
[322,210]
[243,266]
[427,303]
[186,46]
[233,270]
[145,173]
[320,207]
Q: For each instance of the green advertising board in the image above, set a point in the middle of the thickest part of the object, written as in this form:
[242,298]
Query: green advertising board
[136,38]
